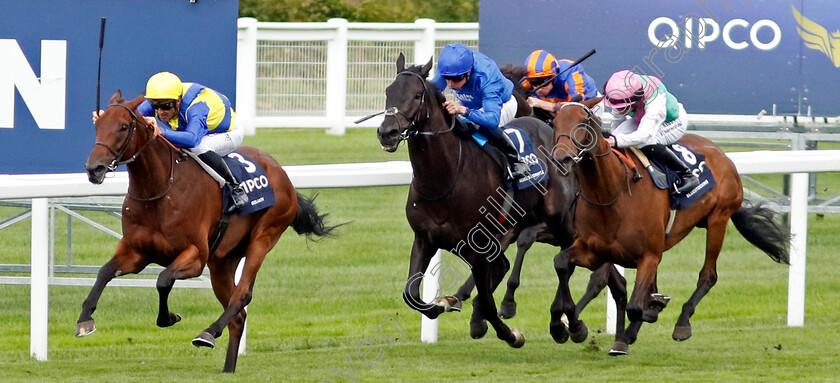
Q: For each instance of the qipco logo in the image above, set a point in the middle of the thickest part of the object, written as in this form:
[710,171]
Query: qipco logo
[736,34]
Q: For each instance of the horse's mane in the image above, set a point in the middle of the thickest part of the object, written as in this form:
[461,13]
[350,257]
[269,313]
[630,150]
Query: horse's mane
[437,92]
[515,73]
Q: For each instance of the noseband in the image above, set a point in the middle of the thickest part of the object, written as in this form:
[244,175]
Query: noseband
[132,132]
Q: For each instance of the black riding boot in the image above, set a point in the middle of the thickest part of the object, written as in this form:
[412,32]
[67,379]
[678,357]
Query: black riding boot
[665,156]
[500,140]
[215,161]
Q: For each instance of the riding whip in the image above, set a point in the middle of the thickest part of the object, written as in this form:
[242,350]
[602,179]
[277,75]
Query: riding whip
[578,61]
[99,69]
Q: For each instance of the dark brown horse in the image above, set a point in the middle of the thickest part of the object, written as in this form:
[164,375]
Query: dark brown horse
[454,202]
[173,207]
[625,222]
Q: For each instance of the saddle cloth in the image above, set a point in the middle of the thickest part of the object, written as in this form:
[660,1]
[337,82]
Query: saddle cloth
[250,175]
[697,163]
[523,143]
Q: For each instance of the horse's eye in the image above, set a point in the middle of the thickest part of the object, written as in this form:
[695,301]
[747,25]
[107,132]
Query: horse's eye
[123,127]
[418,96]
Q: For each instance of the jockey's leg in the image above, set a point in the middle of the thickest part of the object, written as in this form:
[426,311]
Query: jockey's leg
[501,141]
[216,162]
[667,157]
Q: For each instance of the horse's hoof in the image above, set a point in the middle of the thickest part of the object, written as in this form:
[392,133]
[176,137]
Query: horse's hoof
[204,340]
[449,303]
[519,338]
[682,333]
[559,332]
[581,334]
[173,318]
[478,329]
[659,300]
[507,310]
[619,348]
[85,328]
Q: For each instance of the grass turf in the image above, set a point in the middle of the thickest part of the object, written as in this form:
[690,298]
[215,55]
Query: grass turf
[314,303]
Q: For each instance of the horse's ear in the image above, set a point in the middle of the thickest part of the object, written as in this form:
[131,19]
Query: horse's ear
[400,63]
[115,98]
[135,102]
[590,103]
[424,71]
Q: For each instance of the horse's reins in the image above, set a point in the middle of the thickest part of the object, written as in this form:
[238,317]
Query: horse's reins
[609,151]
[394,111]
[409,133]
[117,155]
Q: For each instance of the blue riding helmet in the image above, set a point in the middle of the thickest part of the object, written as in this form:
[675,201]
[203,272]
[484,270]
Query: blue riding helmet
[455,60]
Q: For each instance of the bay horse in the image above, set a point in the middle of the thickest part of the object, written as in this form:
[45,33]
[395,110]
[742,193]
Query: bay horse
[454,192]
[171,210]
[624,222]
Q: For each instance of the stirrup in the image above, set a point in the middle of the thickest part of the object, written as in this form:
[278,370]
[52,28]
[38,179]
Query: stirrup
[687,184]
[237,194]
[518,170]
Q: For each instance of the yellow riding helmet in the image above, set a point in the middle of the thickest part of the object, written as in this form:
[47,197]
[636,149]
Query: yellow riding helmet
[164,86]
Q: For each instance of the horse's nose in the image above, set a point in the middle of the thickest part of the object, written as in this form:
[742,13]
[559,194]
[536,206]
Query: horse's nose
[388,133]
[95,172]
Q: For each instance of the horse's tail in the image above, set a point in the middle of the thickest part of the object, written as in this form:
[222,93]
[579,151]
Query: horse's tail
[309,221]
[756,224]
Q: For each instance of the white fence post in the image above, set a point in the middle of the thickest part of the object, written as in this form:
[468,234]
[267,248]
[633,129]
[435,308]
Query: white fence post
[612,312]
[425,47]
[798,242]
[246,74]
[337,77]
[431,286]
[243,341]
[39,288]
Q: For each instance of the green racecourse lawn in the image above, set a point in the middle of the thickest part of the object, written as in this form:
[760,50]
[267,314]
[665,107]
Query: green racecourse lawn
[315,302]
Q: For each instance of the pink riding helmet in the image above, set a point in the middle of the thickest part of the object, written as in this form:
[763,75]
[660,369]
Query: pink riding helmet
[623,89]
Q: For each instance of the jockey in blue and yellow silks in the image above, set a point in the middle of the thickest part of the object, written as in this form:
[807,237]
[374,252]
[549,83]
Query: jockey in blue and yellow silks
[564,83]
[485,97]
[196,118]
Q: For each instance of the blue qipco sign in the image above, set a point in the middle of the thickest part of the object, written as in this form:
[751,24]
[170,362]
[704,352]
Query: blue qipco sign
[729,57]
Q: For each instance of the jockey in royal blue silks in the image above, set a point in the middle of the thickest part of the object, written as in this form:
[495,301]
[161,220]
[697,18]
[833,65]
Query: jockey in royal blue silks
[485,97]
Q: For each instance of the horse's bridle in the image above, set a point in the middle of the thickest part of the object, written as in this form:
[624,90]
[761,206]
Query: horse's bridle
[408,132]
[589,116]
[576,159]
[127,142]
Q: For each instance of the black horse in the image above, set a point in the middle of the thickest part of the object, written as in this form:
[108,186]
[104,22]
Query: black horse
[459,196]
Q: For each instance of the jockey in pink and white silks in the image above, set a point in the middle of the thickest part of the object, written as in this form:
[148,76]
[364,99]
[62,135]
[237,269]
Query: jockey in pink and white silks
[647,116]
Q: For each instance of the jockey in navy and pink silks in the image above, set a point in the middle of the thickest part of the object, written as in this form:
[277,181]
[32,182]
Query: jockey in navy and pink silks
[647,116]
[485,97]
[563,83]
[196,118]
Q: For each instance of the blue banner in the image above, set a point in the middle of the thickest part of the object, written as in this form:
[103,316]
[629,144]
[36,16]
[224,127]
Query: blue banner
[715,56]
[48,70]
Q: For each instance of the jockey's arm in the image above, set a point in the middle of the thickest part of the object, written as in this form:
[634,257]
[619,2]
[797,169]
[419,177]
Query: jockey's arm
[655,113]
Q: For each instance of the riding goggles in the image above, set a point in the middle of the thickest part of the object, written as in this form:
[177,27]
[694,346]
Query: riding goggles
[165,105]
[455,78]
